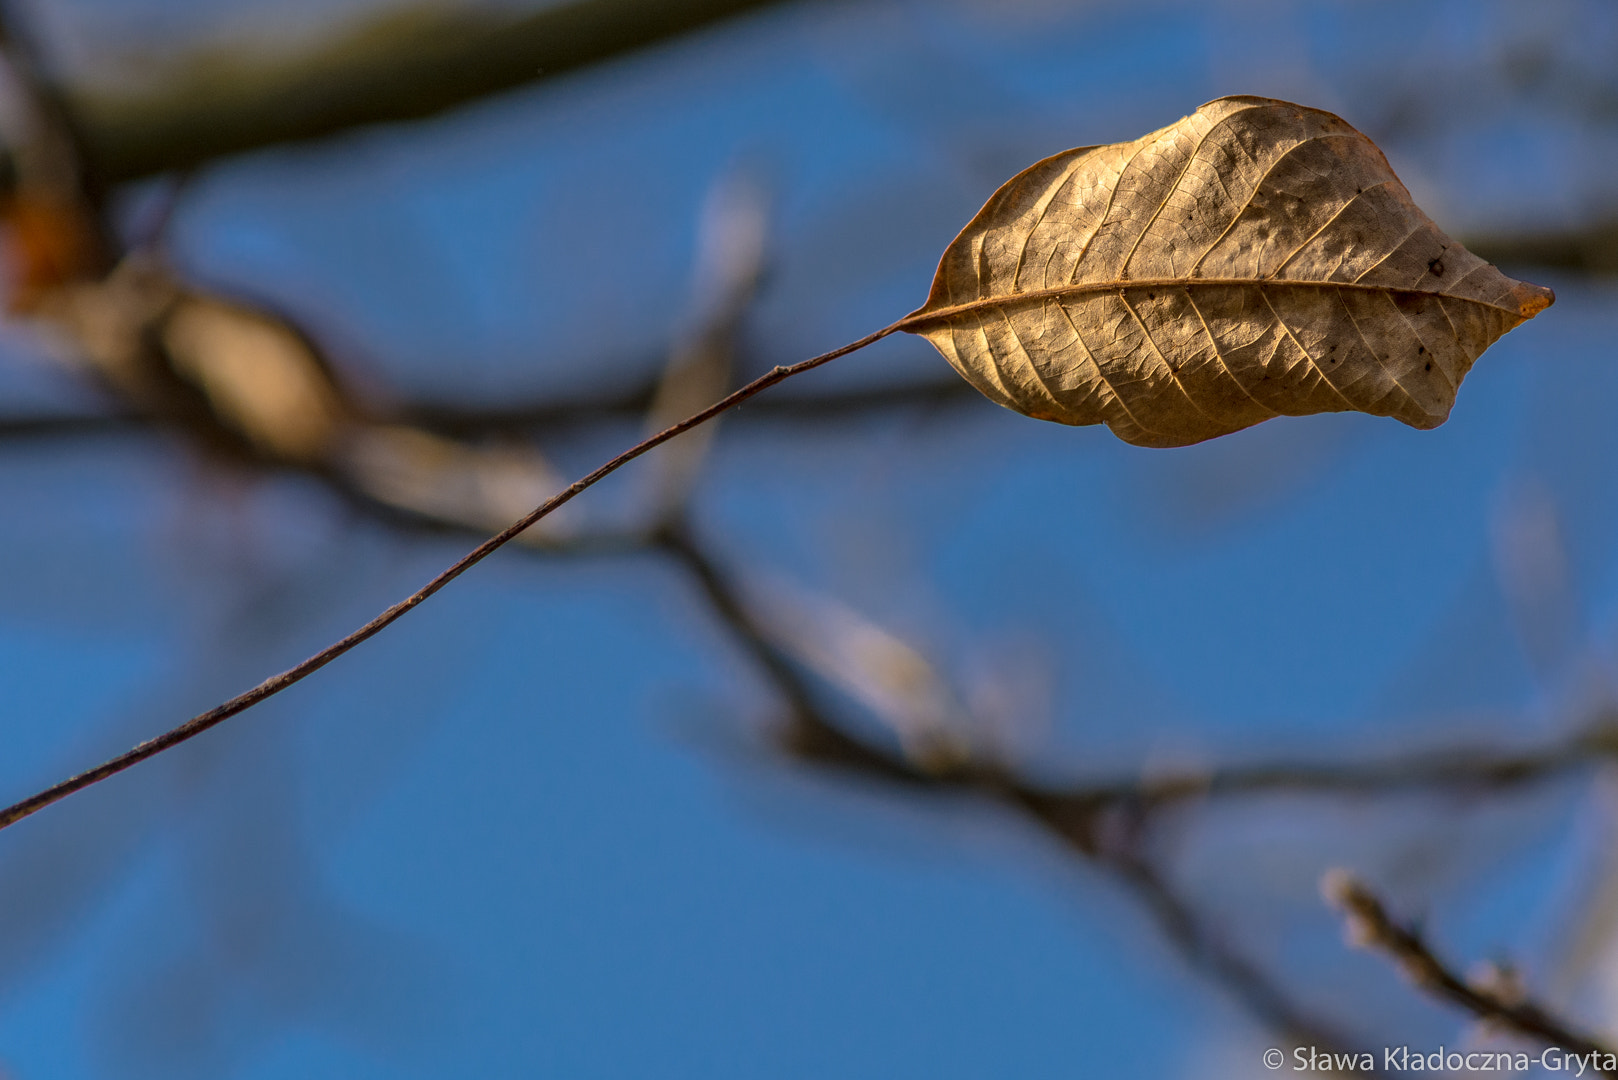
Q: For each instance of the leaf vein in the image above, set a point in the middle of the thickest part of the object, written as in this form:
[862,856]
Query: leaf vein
[1213,343]
[1112,391]
[1174,376]
[1341,210]
[1320,371]
[1240,210]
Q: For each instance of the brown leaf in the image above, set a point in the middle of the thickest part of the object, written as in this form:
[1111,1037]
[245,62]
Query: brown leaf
[1255,259]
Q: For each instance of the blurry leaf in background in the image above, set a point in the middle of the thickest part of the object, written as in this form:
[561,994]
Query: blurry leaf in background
[258,373]
[47,245]
[1215,274]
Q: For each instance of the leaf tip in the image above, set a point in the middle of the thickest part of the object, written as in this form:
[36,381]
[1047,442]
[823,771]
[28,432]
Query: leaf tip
[1532,299]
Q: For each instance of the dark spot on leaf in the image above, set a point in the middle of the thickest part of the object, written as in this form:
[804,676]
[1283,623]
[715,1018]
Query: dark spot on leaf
[1429,366]
[1436,267]
[1151,296]
[1420,349]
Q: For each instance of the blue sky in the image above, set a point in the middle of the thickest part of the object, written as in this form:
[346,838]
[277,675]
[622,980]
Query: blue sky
[525,832]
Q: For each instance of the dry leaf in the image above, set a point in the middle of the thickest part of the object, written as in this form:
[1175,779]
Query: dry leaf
[1255,259]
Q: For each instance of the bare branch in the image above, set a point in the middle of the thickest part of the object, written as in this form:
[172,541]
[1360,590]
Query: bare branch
[1369,926]
[405,64]
[1113,845]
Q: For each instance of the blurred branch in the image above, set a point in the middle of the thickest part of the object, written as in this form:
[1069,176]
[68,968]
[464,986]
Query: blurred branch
[1206,951]
[463,421]
[1109,824]
[1454,768]
[404,64]
[1502,1005]
[1112,837]
[63,426]
[1592,249]
[472,422]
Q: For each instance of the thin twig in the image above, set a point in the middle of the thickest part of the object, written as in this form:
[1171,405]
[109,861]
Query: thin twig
[275,684]
[1370,926]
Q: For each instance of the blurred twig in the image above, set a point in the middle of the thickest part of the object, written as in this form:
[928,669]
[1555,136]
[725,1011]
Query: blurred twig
[1110,836]
[1452,769]
[1108,824]
[473,422]
[1370,926]
[1590,249]
[463,421]
[58,425]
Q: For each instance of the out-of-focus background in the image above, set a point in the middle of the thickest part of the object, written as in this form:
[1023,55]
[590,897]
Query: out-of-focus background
[307,296]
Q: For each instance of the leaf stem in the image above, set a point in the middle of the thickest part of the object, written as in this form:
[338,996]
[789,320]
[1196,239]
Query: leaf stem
[276,683]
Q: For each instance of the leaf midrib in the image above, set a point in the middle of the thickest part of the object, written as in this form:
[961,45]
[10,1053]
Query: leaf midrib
[922,316]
